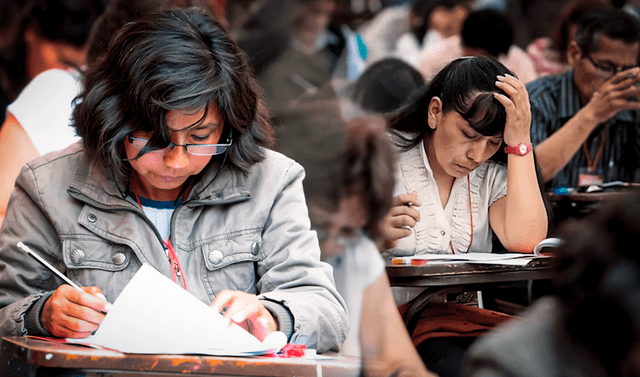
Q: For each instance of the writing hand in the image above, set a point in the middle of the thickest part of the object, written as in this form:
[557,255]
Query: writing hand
[247,311]
[518,124]
[618,93]
[69,313]
[400,219]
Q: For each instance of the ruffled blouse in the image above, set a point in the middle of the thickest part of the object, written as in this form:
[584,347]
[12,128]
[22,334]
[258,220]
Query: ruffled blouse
[440,226]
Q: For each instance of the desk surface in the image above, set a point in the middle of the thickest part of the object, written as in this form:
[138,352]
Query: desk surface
[21,356]
[450,274]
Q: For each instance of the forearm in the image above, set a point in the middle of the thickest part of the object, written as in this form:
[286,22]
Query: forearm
[525,218]
[555,152]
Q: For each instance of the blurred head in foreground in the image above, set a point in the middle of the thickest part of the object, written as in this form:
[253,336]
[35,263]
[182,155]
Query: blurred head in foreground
[597,275]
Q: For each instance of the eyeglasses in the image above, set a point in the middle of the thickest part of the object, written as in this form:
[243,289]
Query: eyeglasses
[609,69]
[194,149]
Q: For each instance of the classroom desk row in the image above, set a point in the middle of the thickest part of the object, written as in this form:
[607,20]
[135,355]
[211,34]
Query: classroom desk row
[27,357]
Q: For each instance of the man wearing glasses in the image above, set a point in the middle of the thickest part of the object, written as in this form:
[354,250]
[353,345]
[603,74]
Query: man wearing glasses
[585,122]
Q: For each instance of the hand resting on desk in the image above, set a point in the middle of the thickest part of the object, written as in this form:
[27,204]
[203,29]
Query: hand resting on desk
[69,313]
[247,311]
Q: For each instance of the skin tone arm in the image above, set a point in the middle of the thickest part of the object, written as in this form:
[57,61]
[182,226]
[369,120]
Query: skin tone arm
[247,311]
[613,96]
[69,313]
[16,149]
[400,220]
[384,340]
[519,219]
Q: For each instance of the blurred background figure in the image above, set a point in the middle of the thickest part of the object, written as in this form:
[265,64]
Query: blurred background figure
[386,85]
[311,55]
[44,34]
[591,327]
[348,187]
[40,66]
[549,53]
[487,32]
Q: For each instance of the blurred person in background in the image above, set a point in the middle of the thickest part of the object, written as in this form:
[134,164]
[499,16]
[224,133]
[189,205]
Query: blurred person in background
[591,327]
[585,122]
[348,188]
[549,54]
[47,51]
[310,58]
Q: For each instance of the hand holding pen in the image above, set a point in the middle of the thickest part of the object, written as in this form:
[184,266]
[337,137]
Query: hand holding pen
[401,219]
[72,311]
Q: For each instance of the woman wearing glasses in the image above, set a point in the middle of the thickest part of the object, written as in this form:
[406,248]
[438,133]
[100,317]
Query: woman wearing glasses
[172,171]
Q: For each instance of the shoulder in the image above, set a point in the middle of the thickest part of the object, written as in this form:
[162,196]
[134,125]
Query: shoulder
[59,164]
[519,339]
[544,86]
[275,167]
[47,83]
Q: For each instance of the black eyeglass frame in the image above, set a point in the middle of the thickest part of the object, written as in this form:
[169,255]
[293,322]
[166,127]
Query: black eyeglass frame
[187,146]
[610,69]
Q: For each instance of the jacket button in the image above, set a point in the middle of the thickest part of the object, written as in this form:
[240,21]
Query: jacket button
[215,256]
[77,256]
[92,218]
[255,248]
[119,258]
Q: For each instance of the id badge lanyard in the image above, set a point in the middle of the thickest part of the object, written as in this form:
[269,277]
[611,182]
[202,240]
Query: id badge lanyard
[176,269]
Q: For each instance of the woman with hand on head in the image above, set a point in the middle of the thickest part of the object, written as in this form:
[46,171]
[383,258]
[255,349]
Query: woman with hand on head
[172,171]
[453,169]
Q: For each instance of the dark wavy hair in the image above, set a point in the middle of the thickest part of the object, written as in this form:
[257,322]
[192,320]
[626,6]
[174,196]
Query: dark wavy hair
[613,23]
[177,59]
[597,278]
[465,85]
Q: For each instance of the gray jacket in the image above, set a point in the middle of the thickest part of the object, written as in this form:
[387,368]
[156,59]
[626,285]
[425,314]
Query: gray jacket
[240,232]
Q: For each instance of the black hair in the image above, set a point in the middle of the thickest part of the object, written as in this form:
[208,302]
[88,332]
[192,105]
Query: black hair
[63,21]
[178,59]
[572,14]
[488,29]
[386,85]
[119,13]
[597,277]
[466,85]
[613,23]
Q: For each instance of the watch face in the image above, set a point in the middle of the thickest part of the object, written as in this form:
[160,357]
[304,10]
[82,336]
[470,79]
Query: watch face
[522,148]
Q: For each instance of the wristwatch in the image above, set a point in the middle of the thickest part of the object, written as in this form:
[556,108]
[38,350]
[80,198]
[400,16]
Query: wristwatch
[520,149]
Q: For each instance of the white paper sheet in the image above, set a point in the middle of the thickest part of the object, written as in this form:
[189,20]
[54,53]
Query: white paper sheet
[517,259]
[155,315]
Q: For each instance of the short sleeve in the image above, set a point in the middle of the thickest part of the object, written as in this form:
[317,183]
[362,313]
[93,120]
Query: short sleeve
[498,180]
[44,109]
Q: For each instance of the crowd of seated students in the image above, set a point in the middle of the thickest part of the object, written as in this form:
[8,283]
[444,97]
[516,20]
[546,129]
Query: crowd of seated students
[328,147]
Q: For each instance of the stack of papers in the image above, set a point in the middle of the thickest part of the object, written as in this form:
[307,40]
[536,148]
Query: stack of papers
[512,259]
[153,315]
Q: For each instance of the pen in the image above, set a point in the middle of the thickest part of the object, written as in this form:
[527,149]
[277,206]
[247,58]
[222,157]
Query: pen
[43,262]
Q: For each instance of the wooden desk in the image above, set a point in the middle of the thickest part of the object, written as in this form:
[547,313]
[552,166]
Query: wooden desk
[460,274]
[438,279]
[21,356]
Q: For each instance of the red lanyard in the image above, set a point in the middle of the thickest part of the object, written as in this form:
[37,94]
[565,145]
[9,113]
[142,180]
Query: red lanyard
[173,258]
[470,218]
[591,164]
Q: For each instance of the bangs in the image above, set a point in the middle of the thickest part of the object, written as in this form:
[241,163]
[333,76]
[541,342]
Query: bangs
[485,114]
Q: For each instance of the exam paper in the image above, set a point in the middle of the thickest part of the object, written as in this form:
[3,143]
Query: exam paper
[155,315]
[516,259]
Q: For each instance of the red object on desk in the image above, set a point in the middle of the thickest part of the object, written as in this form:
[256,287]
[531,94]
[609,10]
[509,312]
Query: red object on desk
[293,350]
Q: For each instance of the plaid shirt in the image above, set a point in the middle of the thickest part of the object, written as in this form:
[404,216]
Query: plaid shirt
[555,100]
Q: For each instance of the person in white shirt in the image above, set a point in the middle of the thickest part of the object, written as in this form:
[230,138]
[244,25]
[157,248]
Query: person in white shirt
[451,189]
